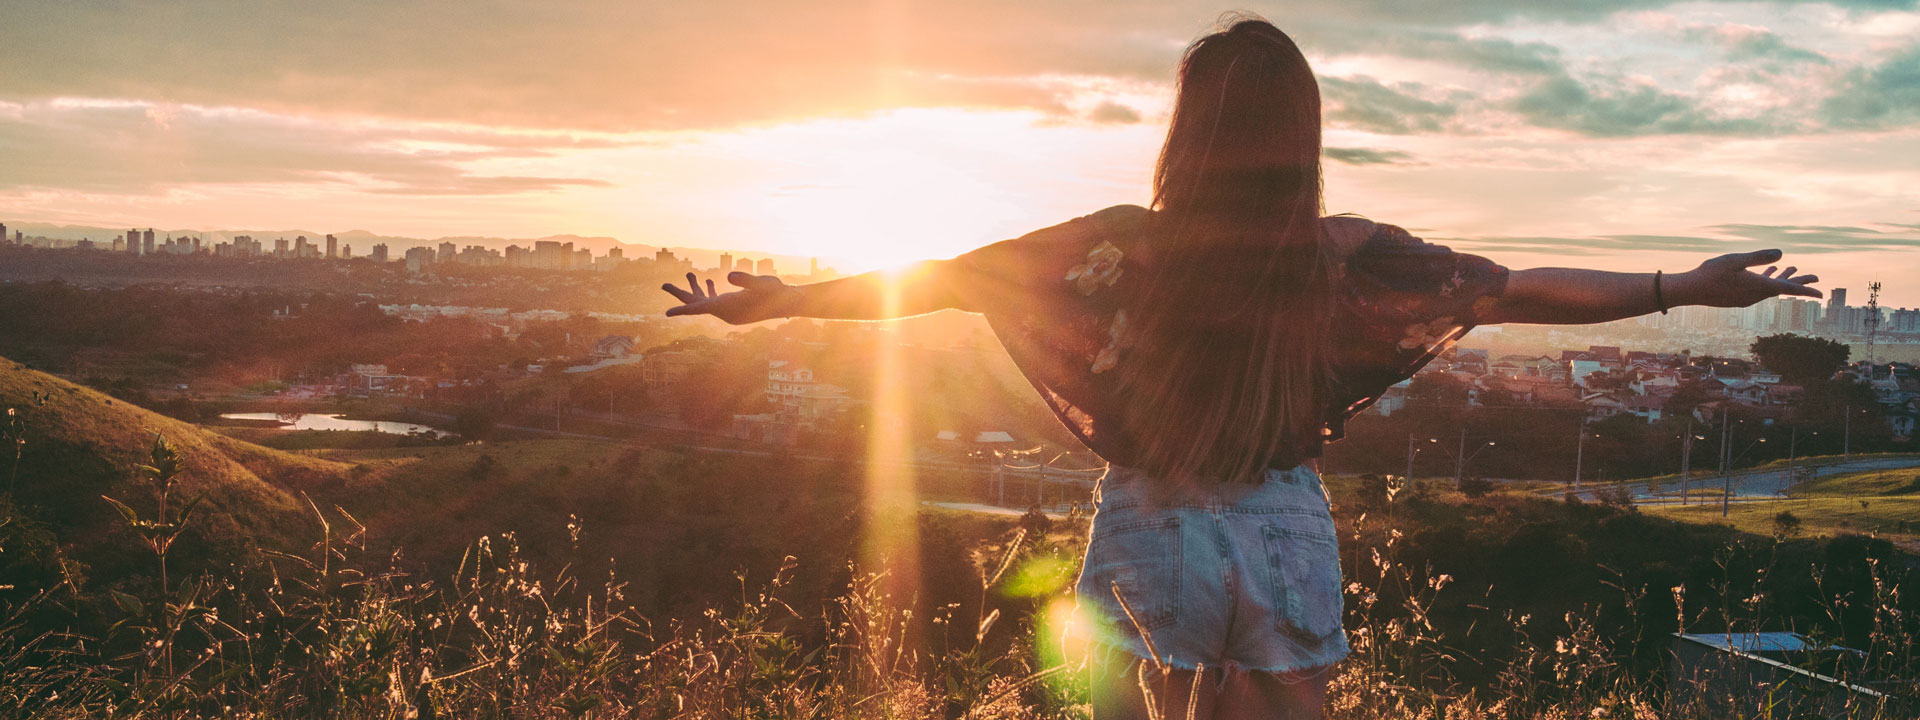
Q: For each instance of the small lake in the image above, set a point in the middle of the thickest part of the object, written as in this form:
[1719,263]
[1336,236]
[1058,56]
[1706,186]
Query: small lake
[315,421]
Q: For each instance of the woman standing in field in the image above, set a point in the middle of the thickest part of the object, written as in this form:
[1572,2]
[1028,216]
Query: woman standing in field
[1207,347]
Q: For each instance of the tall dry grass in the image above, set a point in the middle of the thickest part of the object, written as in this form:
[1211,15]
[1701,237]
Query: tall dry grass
[338,631]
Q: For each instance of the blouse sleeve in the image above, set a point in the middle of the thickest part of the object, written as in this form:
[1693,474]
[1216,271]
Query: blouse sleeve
[1403,302]
[1037,270]
[1417,294]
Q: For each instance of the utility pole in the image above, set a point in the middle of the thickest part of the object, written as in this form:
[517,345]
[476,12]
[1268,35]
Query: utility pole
[1726,458]
[1686,460]
[1460,460]
[1580,452]
[1846,440]
[1409,476]
[1000,480]
[1793,440]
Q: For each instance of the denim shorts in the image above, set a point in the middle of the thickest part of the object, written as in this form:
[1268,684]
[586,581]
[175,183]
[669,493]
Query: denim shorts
[1230,575]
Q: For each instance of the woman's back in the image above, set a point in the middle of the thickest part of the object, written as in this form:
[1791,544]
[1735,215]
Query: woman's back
[1063,302]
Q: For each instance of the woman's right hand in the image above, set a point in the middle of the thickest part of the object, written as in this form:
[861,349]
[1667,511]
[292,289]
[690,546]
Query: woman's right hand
[760,297]
[1727,282]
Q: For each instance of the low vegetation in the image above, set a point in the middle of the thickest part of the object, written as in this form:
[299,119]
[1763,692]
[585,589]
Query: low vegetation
[587,579]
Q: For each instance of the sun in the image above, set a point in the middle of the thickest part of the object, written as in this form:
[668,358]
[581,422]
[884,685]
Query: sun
[884,190]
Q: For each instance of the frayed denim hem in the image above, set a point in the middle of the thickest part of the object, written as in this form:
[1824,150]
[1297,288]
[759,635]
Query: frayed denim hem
[1335,650]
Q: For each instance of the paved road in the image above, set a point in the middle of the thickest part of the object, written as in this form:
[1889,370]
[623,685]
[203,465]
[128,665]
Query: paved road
[1751,485]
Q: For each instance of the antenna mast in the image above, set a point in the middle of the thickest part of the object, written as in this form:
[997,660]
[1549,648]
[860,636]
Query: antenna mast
[1872,322]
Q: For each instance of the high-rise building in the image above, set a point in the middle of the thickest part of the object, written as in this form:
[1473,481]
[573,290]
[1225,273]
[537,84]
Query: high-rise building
[280,247]
[726,262]
[765,266]
[744,265]
[346,252]
[146,242]
[3,233]
[419,259]
[380,253]
[332,247]
[300,246]
[196,245]
[447,251]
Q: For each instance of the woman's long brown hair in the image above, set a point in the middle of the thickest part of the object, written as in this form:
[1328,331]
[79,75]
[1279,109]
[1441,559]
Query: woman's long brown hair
[1229,347]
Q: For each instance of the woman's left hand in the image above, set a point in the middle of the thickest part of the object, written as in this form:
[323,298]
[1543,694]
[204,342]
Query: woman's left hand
[1726,281]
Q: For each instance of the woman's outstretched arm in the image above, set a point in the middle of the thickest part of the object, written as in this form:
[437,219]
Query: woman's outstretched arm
[879,295]
[1565,296]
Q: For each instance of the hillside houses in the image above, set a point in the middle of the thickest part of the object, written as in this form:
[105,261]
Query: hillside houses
[1608,382]
[800,403]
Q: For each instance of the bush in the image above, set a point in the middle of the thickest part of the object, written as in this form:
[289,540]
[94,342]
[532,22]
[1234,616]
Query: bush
[1786,524]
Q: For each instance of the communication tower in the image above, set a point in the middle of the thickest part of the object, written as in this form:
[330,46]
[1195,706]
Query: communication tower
[1872,321]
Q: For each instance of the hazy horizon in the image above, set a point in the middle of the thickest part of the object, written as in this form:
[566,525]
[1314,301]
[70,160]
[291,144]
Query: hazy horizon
[1634,135]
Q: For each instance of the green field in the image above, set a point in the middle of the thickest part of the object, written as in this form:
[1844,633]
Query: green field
[1884,503]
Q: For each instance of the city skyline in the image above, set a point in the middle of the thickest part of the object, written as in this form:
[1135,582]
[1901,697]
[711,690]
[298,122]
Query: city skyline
[1645,135]
[397,245]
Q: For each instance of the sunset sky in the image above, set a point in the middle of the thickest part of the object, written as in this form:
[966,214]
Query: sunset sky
[1625,134]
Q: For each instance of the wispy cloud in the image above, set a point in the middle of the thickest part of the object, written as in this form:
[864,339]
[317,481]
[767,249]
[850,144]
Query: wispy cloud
[119,146]
[1737,237]
[1881,96]
[1366,156]
[1821,238]
[1364,103]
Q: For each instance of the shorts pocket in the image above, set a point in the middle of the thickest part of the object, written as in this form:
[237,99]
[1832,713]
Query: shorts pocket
[1303,558]
[1142,559]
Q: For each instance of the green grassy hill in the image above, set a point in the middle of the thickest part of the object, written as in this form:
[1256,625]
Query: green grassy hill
[78,445]
[1882,503]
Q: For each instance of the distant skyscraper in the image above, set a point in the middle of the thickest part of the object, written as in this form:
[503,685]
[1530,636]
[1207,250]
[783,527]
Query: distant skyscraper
[133,241]
[332,247]
[196,245]
[765,266]
[146,242]
[380,253]
[447,251]
[744,265]
[726,262]
[346,251]
[420,258]
[3,233]
[280,247]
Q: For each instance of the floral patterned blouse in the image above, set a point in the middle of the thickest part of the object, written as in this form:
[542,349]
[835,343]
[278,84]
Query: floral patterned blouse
[1054,297]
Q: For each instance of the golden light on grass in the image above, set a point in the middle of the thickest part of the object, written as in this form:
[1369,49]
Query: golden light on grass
[1063,636]
[890,544]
